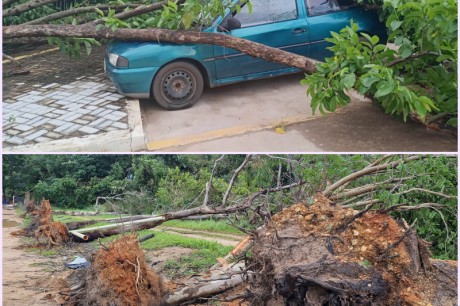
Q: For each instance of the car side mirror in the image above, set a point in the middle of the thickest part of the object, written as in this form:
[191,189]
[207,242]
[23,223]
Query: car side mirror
[233,24]
[229,23]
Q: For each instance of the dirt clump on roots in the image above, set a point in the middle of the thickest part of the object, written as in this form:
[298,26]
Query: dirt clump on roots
[42,227]
[119,276]
[43,217]
[30,209]
[317,253]
[54,233]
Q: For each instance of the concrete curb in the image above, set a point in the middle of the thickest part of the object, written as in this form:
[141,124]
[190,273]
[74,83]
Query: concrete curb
[132,140]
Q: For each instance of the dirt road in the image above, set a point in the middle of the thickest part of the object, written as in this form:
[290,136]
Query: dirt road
[20,280]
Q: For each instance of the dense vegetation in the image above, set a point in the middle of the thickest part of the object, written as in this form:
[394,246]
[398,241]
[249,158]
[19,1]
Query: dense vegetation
[145,184]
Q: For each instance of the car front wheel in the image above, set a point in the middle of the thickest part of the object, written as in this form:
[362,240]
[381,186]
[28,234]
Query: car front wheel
[177,85]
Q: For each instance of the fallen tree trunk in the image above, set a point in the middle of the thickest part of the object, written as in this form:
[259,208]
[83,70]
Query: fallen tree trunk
[202,210]
[84,213]
[190,293]
[248,47]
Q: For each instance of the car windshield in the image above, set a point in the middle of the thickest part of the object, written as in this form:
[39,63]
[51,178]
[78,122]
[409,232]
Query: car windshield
[320,7]
[267,11]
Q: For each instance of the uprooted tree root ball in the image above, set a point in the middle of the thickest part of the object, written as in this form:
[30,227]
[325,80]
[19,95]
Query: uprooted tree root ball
[42,226]
[317,253]
[119,276]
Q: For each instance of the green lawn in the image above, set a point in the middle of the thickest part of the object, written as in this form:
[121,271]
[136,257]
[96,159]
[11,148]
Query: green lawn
[200,260]
[217,226]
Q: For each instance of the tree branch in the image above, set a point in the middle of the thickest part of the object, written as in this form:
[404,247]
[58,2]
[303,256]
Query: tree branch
[368,170]
[136,12]
[230,185]
[417,55]
[11,59]
[79,10]
[20,8]
[245,46]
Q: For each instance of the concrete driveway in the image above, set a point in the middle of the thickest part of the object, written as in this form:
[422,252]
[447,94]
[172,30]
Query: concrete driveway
[243,117]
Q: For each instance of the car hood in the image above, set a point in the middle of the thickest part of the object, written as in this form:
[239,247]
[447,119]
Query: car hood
[127,48]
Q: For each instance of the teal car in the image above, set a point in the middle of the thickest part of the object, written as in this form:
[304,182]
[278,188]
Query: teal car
[174,75]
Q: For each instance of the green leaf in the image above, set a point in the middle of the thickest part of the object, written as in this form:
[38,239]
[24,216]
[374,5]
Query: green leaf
[98,27]
[420,109]
[310,201]
[187,20]
[375,39]
[452,121]
[101,13]
[406,51]
[249,7]
[111,13]
[88,47]
[349,81]
[369,80]
[238,9]
[365,263]
[114,27]
[384,89]
[395,24]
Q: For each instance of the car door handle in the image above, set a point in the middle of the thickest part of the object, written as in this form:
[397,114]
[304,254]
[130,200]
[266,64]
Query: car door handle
[298,31]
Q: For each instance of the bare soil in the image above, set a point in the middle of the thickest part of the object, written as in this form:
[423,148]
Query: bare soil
[19,277]
[158,258]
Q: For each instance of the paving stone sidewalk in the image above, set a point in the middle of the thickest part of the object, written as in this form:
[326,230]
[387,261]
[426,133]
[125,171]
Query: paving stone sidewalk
[43,112]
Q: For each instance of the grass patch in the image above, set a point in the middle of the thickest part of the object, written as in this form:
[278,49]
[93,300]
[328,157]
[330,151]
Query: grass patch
[208,235]
[195,262]
[49,253]
[32,250]
[36,264]
[67,219]
[198,261]
[218,226]
[163,240]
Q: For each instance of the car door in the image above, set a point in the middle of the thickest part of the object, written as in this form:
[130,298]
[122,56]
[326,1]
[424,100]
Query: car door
[276,23]
[324,16]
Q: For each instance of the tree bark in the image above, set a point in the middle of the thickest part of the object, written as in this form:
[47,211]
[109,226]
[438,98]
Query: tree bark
[136,12]
[18,9]
[8,2]
[76,11]
[202,210]
[248,47]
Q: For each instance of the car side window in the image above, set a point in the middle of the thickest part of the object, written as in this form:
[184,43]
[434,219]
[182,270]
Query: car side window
[267,11]
[322,7]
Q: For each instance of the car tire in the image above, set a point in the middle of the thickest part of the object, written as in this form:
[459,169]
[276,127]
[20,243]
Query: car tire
[177,85]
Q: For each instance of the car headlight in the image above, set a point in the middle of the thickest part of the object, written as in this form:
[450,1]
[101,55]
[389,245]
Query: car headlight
[118,60]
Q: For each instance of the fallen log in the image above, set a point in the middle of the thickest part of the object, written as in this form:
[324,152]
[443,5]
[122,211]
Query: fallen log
[190,293]
[84,213]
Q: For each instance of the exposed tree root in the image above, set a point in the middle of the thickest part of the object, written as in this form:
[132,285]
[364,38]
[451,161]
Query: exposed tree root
[309,274]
